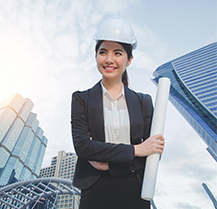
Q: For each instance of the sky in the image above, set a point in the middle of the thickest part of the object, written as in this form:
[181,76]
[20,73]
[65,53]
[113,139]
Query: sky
[47,53]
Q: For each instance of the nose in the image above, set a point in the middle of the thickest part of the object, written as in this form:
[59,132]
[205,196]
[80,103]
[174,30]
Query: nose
[109,58]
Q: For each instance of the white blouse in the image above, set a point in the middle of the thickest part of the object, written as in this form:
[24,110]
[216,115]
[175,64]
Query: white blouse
[116,118]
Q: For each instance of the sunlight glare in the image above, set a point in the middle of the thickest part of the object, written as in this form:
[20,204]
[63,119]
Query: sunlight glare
[15,65]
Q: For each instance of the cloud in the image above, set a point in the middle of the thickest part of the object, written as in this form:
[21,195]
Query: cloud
[200,172]
[113,7]
[183,205]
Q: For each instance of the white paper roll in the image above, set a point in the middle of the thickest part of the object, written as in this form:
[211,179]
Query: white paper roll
[157,127]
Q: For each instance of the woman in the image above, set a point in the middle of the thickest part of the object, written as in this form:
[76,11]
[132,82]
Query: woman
[111,127]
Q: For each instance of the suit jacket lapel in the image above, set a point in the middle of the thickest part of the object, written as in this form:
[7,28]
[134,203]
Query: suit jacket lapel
[135,114]
[96,118]
[95,113]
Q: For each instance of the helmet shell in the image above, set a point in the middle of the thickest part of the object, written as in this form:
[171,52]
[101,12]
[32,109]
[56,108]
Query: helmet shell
[118,30]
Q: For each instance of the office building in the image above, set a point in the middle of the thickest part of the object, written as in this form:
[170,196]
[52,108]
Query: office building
[63,166]
[194,91]
[22,143]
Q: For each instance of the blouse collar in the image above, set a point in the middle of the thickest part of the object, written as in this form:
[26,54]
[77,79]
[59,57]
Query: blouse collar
[105,92]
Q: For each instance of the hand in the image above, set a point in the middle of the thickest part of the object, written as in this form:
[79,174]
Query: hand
[102,166]
[154,144]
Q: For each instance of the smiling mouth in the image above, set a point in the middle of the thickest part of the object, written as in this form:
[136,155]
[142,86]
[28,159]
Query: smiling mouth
[109,69]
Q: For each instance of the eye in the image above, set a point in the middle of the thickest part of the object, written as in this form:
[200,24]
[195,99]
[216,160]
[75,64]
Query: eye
[102,52]
[118,53]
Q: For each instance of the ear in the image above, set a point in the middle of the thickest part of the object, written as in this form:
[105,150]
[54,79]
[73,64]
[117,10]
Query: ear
[129,61]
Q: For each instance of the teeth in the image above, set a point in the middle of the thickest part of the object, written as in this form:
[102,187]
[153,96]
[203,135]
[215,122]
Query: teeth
[109,68]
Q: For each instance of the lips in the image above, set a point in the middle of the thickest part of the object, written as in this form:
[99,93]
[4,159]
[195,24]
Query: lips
[109,68]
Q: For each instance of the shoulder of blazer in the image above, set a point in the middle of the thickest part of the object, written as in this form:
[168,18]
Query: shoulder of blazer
[146,102]
[84,95]
[143,98]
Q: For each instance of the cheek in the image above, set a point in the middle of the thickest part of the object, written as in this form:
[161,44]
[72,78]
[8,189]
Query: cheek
[124,62]
[98,61]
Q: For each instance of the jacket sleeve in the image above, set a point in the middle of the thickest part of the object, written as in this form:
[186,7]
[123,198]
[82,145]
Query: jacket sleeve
[95,150]
[148,110]
[138,162]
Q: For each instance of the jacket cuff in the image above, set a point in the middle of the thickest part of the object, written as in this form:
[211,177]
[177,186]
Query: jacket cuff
[118,169]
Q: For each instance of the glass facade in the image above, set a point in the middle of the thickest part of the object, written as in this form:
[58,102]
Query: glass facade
[194,91]
[62,166]
[22,144]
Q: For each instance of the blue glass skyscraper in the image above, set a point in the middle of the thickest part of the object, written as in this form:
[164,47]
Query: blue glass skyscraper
[194,91]
[22,143]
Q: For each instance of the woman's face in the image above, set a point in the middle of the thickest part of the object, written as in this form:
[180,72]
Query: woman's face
[112,60]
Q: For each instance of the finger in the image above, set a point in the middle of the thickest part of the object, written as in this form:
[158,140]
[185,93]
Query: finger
[158,135]
[159,150]
[161,142]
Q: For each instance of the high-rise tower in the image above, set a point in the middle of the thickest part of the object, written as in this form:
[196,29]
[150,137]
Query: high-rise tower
[62,166]
[194,91]
[22,144]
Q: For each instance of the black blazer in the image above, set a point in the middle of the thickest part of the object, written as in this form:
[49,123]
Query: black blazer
[87,121]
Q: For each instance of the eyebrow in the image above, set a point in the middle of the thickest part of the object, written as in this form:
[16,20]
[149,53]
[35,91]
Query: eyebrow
[103,49]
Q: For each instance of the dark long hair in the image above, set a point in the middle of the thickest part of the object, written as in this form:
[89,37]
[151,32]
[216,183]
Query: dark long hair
[128,49]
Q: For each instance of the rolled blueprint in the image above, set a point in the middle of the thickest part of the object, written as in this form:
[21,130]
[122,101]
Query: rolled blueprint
[157,127]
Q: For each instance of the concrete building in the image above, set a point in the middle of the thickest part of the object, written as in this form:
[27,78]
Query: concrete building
[63,166]
[194,91]
[22,143]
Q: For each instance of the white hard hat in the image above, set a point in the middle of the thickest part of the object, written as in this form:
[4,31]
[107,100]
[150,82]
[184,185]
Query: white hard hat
[118,30]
